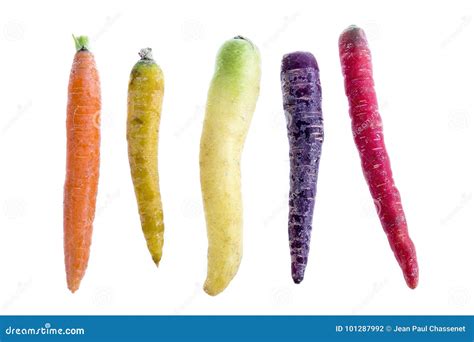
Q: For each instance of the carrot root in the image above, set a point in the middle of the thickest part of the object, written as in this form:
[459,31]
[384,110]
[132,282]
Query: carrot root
[82,162]
[356,62]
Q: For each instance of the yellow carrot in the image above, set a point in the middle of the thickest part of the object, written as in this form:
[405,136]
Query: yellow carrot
[145,97]
[230,105]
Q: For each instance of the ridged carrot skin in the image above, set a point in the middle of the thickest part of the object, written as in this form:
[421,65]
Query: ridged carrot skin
[301,90]
[231,102]
[145,98]
[356,62]
[82,162]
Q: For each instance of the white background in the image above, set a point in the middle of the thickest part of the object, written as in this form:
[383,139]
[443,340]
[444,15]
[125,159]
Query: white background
[423,63]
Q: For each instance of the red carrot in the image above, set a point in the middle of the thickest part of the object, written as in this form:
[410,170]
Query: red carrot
[368,135]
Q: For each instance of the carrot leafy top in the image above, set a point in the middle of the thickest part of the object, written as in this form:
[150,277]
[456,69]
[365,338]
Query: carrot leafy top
[82,42]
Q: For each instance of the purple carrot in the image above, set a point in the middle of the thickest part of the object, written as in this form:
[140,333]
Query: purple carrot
[302,104]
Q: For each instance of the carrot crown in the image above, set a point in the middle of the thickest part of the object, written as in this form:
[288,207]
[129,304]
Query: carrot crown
[146,54]
[82,42]
[246,39]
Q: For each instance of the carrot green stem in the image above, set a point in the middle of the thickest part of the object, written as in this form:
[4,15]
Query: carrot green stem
[82,42]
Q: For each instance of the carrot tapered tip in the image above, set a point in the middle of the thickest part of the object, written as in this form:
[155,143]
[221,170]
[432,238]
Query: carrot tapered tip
[297,280]
[156,259]
[211,291]
[81,42]
[412,279]
[74,278]
[297,273]
[412,283]
[73,286]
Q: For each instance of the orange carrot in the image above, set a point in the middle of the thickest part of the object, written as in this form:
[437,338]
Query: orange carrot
[82,162]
